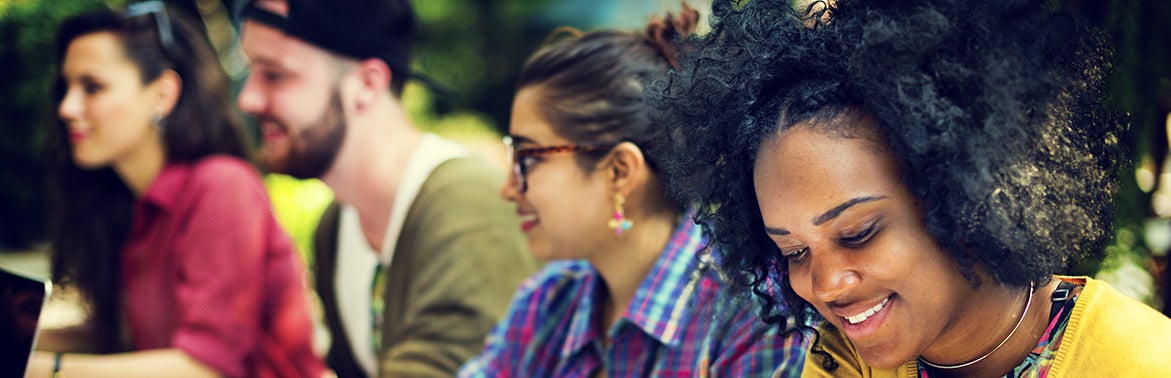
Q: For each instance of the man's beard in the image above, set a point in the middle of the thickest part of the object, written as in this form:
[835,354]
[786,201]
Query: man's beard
[313,150]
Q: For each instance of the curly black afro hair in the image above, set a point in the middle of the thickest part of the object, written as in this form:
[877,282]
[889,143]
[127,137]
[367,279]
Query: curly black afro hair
[993,109]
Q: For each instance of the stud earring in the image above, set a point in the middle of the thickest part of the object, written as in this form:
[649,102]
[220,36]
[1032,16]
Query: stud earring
[620,224]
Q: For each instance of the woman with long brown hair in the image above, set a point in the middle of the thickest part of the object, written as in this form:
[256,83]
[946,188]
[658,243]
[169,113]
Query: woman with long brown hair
[160,222]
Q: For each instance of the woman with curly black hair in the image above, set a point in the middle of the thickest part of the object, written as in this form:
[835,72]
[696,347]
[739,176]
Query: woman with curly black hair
[918,172]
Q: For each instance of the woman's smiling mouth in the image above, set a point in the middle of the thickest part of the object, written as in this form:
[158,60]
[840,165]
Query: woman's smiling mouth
[866,314]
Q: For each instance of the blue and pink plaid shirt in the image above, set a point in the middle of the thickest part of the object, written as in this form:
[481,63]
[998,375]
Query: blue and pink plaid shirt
[675,326]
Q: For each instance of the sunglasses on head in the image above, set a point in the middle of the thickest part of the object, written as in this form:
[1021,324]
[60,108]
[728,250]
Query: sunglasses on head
[162,21]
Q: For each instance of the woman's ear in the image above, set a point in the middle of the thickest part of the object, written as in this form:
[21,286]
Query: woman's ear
[627,168]
[167,89]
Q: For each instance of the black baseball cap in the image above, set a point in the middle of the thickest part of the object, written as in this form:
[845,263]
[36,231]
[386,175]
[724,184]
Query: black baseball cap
[358,29]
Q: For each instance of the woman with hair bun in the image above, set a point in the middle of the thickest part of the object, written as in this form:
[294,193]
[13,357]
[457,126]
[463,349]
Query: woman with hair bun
[629,290]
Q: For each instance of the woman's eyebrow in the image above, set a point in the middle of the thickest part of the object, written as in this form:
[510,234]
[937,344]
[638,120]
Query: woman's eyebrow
[837,210]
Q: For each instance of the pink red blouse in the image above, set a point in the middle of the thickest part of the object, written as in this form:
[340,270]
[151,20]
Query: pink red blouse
[207,269]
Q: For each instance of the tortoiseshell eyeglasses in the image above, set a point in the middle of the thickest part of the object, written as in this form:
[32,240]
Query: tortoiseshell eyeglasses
[519,158]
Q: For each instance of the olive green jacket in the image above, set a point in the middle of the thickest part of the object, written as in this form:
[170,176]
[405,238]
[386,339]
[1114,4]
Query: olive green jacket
[458,260]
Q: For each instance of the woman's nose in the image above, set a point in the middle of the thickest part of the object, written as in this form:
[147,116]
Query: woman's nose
[508,189]
[832,275]
[70,107]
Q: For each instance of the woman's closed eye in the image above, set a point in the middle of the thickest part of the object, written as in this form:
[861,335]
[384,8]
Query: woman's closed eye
[857,239]
[794,254]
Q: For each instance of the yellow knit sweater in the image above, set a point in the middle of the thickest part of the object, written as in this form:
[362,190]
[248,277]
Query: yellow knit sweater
[1108,335]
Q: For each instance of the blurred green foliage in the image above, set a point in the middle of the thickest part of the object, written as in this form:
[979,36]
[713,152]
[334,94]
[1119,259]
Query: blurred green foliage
[1141,87]
[298,204]
[26,61]
[475,47]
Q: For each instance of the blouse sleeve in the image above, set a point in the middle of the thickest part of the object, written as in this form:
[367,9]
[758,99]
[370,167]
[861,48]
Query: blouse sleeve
[220,254]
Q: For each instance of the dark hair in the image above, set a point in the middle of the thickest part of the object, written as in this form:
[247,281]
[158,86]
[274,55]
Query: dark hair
[399,26]
[993,111]
[92,207]
[592,83]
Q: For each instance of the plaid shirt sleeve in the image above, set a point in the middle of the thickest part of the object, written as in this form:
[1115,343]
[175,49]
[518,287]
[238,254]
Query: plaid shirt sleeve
[741,345]
[497,349]
[754,349]
[509,340]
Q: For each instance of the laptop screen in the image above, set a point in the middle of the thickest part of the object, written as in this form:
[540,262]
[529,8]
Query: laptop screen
[21,300]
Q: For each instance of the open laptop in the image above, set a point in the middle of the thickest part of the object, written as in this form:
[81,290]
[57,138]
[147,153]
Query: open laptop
[22,298]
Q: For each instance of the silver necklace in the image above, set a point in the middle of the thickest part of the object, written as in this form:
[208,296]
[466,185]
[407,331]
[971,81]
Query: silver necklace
[1032,287]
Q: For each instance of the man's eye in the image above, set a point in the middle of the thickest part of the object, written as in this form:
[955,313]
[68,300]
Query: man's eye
[272,76]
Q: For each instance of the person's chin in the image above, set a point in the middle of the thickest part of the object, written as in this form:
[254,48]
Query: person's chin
[885,355]
[87,162]
[884,361]
[542,250]
[274,161]
[541,254]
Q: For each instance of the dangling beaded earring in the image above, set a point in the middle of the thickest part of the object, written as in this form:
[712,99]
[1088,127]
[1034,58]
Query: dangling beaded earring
[620,224]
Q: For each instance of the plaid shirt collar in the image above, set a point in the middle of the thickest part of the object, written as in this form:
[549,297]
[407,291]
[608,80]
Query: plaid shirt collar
[660,305]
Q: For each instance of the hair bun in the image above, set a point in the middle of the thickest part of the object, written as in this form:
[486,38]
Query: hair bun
[666,33]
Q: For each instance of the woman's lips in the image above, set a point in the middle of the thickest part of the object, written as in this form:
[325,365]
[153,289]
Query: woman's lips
[868,313]
[76,136]
[527,222]
[867,322]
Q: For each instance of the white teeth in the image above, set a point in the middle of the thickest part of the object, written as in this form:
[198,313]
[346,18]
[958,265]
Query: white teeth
[528,217]
[868,313]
